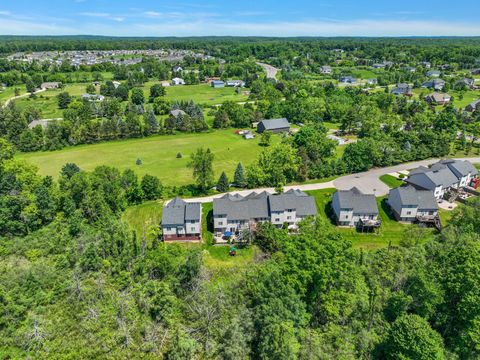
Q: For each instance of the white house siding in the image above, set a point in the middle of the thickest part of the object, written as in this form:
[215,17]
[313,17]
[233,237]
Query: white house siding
[278,218]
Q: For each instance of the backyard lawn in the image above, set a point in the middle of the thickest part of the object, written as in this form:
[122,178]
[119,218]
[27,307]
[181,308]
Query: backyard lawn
[391,231]
[158,155]
[10,92]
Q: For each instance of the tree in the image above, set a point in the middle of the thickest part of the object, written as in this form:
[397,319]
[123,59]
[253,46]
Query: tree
[265,138]
[151,123]
[239,176]
[161,106]
[151,187]
[411,337]
[138,97]
[202,164]
[91,89]
[64,99]
[156,91]
[223,184]
[69,169]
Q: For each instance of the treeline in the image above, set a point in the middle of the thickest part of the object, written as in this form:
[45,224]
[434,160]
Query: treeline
[310,295]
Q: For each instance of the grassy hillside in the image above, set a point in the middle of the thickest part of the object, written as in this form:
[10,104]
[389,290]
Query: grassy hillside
[158,155]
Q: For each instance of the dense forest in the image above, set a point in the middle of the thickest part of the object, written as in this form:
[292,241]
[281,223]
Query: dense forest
[79,284]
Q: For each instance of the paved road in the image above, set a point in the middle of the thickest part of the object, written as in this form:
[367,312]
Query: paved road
[367,182]
[271,71]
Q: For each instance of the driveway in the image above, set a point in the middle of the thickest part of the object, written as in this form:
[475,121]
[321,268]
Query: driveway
[5,104]
[369,182]
[271,71]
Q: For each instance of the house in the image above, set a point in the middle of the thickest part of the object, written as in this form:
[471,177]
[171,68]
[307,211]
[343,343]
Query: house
[438,98]
[177,112]
[402,89]
[233,213]
[177,69]
[410,204]
[372,81]
[50,85]
[181,221]
[382,65]
[443,176]
[473,106]
[116,84]
[34,123]
[436,84]
[410,69]
[475,72]
[326,70]
[273,125]
[469,83]
[235,83]
[93,97]
[217,84]
[463,170]
[347,80]
[354,208]
[178,81]
[433,73]
[426,64]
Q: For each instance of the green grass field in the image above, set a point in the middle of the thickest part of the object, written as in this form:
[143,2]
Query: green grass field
[391,231]
[144,218]
[47,101]
[158,155]
[9,92]
[391,181]
[202,94]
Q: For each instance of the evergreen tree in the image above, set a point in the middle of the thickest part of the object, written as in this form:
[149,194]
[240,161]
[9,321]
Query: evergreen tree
[151,123]
[223,184]
[239,177]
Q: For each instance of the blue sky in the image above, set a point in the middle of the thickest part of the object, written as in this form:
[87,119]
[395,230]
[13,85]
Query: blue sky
[245,17]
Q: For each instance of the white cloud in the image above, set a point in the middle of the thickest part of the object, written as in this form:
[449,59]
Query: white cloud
[203,24]
[103,15]
[152,14]
[5,13]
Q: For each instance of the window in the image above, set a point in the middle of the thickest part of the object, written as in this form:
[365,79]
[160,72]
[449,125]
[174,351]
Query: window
[289,217]
[277,219]
[192,229]
[220,223]
[346,216]
[409,213]
[168,229]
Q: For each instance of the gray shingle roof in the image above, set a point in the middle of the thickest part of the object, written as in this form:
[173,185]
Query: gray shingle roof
[177,211]
[273,124]
[437,175]
[460,168]
[256,206]
[354,199]
[408,195]
[177,112]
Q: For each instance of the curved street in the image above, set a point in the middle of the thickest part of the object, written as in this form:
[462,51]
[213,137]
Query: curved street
[368,181]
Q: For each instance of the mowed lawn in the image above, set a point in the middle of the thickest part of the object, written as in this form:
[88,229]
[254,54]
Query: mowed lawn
[390,233]
[47,102]
[158,155]
[202,94]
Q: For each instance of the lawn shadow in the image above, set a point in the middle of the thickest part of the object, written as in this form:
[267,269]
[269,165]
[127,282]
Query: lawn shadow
[209,220]
[387,210]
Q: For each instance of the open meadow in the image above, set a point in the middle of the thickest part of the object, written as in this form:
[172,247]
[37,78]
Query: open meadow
[158,155]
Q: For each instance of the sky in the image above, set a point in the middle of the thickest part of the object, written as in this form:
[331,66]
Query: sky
[240,18]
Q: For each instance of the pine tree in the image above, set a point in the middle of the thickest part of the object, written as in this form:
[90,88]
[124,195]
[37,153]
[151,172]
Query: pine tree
[239,177]
[223,184]
[151,123]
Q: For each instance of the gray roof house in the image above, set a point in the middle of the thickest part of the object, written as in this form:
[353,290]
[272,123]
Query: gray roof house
[177,112]
[473,106]
[235,83]
[437,84]
[217,84]
[402,89]
[352,207]
[181,221]
[438,179]
[434,73]
[470,83]
[273,125]
[232,213]
[463,170]
[410,204]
